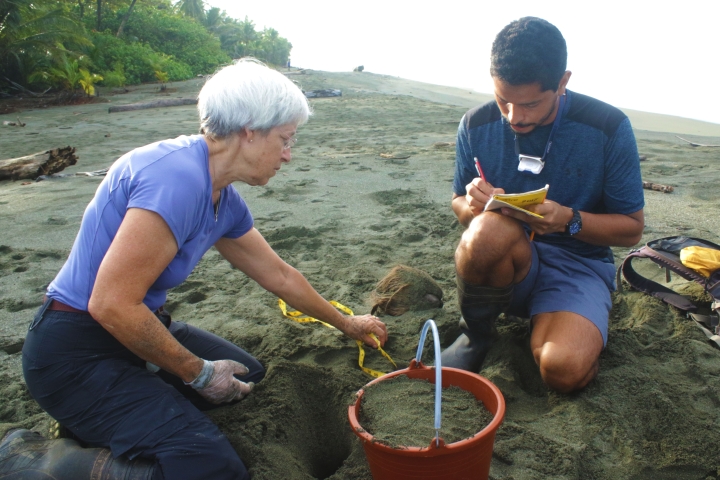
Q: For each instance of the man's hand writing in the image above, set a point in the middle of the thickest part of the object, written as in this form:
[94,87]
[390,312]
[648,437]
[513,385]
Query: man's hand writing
[555,217]
[478,194]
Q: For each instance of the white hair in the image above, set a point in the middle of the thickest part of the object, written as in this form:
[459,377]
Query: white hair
[248,94]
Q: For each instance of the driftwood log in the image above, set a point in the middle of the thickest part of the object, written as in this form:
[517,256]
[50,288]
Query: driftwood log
[693,144]
[41,163]
[327,92]
[165,102]
[14,124]
[658,187]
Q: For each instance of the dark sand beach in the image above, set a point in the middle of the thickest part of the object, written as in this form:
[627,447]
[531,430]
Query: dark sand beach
[344,214]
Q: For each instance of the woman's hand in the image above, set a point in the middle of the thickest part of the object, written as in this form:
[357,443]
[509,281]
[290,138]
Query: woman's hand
[252,255]
[359,327]
[217,382]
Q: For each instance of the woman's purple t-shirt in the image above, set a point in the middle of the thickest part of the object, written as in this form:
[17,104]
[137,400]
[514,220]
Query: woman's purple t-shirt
[172,179]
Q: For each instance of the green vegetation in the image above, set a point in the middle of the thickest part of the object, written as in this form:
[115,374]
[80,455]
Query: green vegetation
[73,45]
[69,74]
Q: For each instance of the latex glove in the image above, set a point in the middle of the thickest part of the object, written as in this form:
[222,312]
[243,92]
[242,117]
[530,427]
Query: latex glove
[217,384]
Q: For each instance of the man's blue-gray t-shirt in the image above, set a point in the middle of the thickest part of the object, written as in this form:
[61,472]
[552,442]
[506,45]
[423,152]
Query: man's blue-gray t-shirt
[593,165]
[172,179]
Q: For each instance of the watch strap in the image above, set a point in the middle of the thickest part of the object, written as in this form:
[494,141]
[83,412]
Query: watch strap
[574,226]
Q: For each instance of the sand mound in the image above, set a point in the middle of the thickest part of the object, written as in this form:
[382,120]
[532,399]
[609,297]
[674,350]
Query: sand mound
[403,289]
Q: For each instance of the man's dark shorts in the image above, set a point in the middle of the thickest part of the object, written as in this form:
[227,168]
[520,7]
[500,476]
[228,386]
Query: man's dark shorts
[562,281]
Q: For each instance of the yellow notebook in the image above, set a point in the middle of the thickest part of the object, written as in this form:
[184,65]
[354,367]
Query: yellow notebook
[518,201]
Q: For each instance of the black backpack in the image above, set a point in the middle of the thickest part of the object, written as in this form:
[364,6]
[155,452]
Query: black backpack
[666,253]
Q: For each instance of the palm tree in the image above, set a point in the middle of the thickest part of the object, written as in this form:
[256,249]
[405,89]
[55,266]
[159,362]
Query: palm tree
[214,18]
[237,38]
[192,8]
[248,34]
[81,6]
[125,19]
[70,75]
[32,31]
[10,13]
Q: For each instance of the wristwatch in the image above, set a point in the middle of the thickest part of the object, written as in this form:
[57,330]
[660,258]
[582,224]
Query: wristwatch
[574,226]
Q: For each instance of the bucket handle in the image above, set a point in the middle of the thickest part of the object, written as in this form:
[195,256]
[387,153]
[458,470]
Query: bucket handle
[438,371]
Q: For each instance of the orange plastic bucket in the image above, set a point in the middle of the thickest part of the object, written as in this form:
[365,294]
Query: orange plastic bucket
[465,459]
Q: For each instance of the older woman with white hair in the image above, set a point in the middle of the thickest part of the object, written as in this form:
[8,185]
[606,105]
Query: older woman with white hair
[101,356]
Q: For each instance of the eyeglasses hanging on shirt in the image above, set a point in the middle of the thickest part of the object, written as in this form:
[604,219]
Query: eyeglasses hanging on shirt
[531,163]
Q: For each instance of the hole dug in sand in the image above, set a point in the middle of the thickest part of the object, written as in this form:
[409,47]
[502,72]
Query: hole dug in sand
[298,414]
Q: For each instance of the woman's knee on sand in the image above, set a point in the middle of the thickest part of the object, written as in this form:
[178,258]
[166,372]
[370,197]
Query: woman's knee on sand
[193,454]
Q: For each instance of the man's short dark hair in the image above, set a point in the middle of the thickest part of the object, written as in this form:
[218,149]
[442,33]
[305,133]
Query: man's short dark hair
[529,50]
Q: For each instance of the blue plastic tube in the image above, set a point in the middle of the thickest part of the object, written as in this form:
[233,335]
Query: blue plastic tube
[438,371]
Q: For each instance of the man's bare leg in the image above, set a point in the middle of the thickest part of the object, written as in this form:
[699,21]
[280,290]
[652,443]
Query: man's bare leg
[492,253]
[566,347]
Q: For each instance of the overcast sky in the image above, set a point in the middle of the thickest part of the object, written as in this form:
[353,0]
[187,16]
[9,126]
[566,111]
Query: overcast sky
[653,56]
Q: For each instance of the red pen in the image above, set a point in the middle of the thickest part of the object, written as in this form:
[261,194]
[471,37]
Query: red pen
[482,176]
[479,170]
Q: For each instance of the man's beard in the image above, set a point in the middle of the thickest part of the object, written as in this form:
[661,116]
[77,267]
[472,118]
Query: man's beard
[535,125]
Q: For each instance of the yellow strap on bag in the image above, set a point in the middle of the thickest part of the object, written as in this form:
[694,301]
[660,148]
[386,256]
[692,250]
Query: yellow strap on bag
[302,318]
[703,260]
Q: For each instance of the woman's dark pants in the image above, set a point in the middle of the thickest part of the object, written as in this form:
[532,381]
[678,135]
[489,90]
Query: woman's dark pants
[90,383]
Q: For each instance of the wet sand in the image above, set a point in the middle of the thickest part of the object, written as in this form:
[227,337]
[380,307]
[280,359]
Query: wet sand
[344,214]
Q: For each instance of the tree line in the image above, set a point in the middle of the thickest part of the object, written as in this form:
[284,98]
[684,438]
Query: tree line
[74,45]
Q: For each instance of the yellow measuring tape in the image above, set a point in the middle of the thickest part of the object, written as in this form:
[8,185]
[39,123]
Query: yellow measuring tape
[302,318]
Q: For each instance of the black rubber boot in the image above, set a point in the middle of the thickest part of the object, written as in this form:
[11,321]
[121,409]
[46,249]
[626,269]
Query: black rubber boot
[480,306]
[26,455]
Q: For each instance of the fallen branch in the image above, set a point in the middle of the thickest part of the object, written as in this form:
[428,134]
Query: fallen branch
[17,86]
[14,124]
[97,173]
[41,163]
[693,144]
[658,187]
[165,102]
[327,92]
